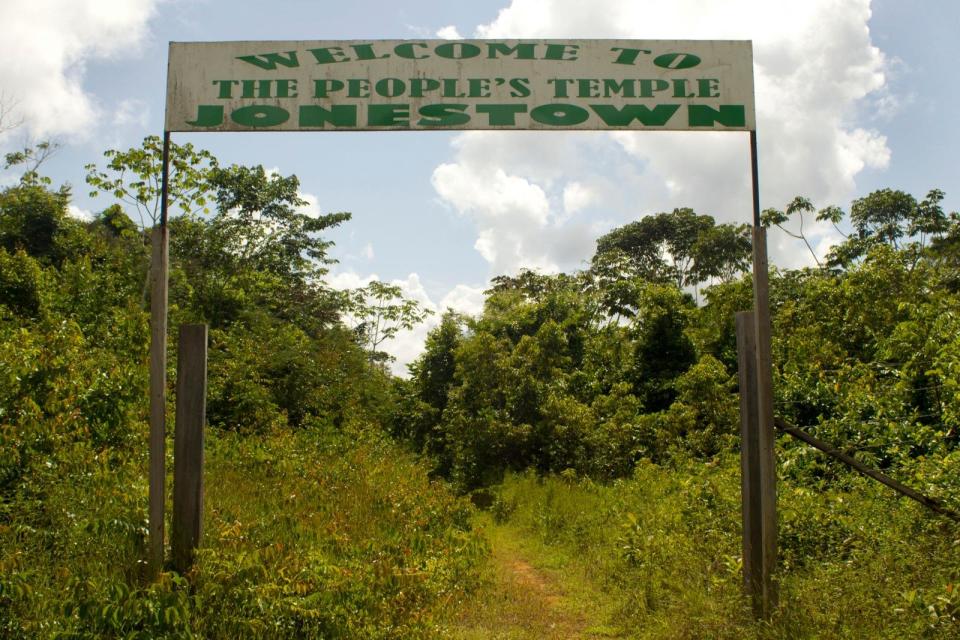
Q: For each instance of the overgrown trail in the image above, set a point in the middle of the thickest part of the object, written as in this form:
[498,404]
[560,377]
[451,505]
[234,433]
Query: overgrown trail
[530,596]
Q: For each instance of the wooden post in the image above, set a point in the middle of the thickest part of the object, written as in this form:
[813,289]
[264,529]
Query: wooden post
[753,564]
[158,375]
[763,376]
[158,398]
[765,428]
[188,445]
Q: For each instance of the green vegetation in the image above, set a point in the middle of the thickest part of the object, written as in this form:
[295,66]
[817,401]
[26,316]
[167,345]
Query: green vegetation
[316,525]
[591,416]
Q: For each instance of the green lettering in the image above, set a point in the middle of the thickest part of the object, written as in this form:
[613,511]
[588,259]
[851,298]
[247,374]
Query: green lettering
[405,50]
[323,88]
[614,88]
[502,115]
[226,88]
[457,50]
[329,55]
[628,56]
[649,87]
[478,88]
[208,115]
[658,116]
[676,61]
[559,115]
[450,89]
[728,115]
[588,88]
[269,61]
[388,115]
[525,51]
[681,89]
[562,52]
[560,86]
[519,87]
[340,115]
[365,52]
[390,87]
[709,88]
[419,86]
[260,116]
[443,115]
[358,88]
[286,88]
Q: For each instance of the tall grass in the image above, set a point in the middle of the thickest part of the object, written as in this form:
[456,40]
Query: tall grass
[663,551]
[307,535]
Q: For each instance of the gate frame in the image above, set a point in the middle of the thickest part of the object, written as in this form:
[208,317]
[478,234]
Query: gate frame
[758,467]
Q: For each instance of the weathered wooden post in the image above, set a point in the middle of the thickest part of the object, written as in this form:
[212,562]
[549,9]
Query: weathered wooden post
[756,409]
[753,565]
[158,374]
[188,445]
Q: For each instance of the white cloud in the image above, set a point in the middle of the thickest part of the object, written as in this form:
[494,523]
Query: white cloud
[816,72]
[46,45]
[131,112]
[80,214]
[577,196]
[407,345]
[449,33]
[515,220]
[464,299]
[344,280]
[312,206]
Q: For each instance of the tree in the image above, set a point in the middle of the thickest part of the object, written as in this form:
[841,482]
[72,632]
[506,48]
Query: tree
[259,251]
[33,217]
[662,351]
[260,219]
[433,370]
[380,311]
[134,178]
[721,252]
[681,247]
[797,207]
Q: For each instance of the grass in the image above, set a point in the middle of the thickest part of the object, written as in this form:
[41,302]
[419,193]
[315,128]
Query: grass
[658,557]
[306,535]
[319,535]
[529,592]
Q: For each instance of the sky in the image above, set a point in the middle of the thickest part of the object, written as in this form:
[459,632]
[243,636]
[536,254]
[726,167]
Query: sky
[852,96]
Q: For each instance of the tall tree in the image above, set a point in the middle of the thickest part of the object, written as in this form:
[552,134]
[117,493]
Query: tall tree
[679,247]
[133,177]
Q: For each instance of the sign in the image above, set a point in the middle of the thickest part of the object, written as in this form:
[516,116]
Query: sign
[375,85]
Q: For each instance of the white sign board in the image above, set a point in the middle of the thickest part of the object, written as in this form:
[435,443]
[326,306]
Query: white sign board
[376,85]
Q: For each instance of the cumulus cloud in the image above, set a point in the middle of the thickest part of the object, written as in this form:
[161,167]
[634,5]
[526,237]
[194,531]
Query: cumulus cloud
[131,112]
[54,40]
[449,33]
[407,345]
[80,214]
[818,78]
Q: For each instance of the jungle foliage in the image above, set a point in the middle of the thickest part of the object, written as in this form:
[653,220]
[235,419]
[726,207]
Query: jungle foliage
[613,387]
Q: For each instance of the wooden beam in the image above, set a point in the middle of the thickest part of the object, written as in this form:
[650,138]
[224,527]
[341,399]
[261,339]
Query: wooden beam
[188,445]
[754,574]
[930,503]
[158,399]
[766,436]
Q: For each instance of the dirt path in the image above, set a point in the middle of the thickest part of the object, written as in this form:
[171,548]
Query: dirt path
[523,601]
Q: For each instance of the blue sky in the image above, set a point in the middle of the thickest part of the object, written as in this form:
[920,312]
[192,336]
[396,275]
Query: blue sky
[852,96]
